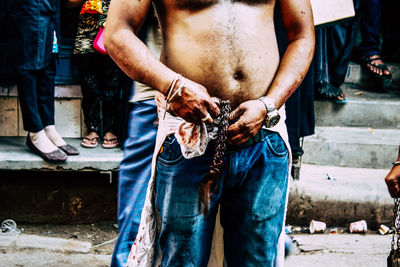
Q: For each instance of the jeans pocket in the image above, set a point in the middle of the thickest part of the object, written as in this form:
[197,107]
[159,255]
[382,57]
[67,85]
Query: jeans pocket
[170,153]
[275,144]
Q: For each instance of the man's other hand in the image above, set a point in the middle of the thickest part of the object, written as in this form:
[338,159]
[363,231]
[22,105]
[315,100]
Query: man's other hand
[194,104]
[393,181]
[248,119]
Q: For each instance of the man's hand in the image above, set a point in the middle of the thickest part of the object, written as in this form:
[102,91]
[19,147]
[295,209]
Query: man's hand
[393,181]
[194,104]
[249,117]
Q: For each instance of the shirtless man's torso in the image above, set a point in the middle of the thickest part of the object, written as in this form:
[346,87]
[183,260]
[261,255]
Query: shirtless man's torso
[227,48]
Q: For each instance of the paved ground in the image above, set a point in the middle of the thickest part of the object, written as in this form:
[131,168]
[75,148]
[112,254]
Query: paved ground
[343,250]
[325,250]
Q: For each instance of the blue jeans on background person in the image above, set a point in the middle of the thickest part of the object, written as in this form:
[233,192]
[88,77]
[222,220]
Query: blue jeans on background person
[36,96]
[252,194]
[134,174]
[370,24]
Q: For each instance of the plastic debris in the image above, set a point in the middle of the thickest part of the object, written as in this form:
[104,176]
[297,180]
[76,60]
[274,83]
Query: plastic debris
[9,227]
[383,229]
[288,229]
[358,93]
[371,130]
[330,178]
[105,243]
[358,227]
[334,231]
[317,227]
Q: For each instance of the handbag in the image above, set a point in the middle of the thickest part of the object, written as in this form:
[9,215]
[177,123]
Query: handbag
[393,260]
[98,43]
[331,11]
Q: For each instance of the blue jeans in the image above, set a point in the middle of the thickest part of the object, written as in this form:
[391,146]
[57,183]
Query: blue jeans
[371,15]
[36,96]
[134,174]
[252,195]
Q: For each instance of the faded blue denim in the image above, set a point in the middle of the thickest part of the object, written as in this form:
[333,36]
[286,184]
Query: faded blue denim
[134,175]
[252,197]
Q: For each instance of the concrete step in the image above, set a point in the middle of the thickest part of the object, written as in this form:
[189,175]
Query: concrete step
[358,75]
[14,155]
[363,109]
[351,194]
[352,147]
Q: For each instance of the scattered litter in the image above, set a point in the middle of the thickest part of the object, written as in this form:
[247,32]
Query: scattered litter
[383,229]
[297,229]
[371,130]
[48,232]
[358,227]
[115,225]
[288,229]
[9,227]
[334,231]
[358,93]
[317,227]
[73,236]
[330,178]
[105,243]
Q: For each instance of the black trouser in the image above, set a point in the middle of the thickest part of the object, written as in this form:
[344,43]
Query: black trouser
[101,83]
[333,49]
[36,96]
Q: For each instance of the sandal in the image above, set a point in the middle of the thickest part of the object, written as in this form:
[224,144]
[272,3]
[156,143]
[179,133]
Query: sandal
[367,63]
[327,91]
[111,142]
[92,142]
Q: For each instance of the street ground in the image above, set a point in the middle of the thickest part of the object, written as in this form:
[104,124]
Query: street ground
[326,250]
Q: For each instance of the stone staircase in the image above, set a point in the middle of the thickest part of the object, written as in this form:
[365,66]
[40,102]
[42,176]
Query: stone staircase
[352,150]
[363,133]
[81,190]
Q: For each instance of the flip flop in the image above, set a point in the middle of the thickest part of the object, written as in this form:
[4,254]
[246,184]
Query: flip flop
[112,142]
[93,141]
[366,62]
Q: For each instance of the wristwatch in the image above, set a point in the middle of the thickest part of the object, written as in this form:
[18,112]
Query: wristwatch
[272,118]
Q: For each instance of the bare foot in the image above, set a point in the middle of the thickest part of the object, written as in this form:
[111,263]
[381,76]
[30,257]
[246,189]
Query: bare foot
[375,66]
[110,140]
[341,97]
[90,140]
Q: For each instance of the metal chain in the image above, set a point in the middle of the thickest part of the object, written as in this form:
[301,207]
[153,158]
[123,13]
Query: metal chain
[214,176]
[396,224]
[222,136]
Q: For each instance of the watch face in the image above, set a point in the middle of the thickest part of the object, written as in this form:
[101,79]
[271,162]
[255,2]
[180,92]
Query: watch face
[271,122]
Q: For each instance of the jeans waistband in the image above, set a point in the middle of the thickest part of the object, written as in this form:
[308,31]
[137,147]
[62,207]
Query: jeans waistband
[251,141]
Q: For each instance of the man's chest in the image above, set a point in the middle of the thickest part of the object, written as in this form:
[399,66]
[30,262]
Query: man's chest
[200,4]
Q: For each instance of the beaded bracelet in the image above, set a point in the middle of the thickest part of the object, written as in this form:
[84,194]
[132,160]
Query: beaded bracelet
[171,93]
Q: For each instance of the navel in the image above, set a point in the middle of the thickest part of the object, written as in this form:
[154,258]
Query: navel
[238,75]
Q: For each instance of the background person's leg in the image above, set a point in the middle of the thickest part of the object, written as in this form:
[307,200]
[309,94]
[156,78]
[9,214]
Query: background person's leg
[45,91]
[370,25]
[90,80]
[134,174]
[111,107]
[28,99]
